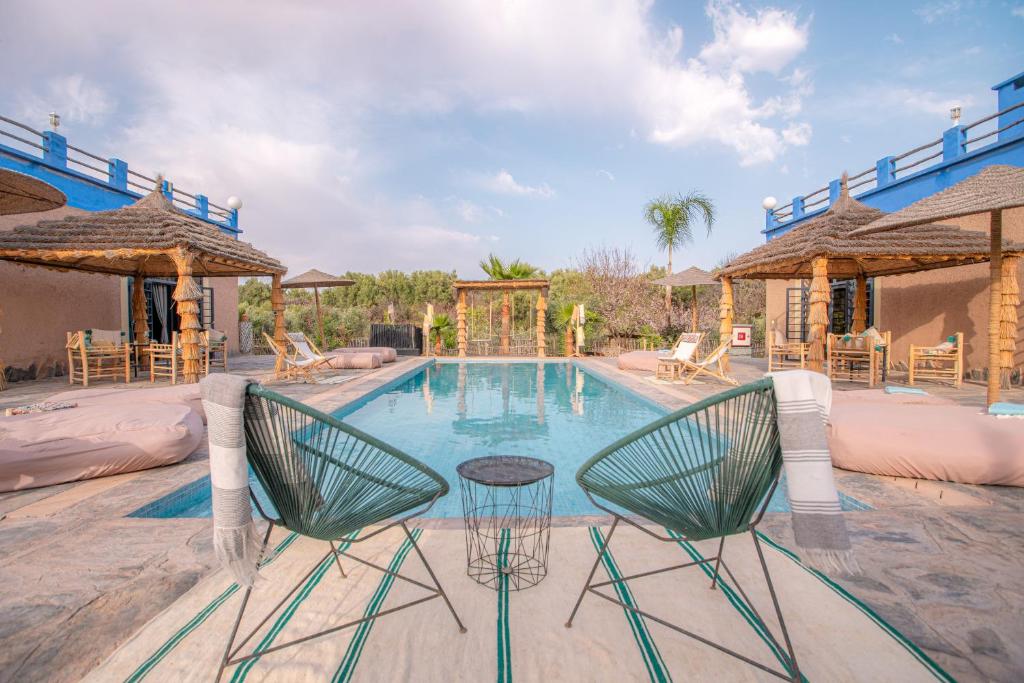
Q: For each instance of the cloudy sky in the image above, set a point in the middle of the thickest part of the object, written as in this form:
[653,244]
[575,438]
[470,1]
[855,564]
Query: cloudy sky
[366,136]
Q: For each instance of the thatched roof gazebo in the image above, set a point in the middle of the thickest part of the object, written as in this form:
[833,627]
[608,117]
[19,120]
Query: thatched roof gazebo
[150,238]
[827,247]
[990,191]
[315,279]
[20,193]
[693,277]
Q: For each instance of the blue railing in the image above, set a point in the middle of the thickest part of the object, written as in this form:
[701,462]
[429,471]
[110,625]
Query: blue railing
[1005,125]
[57,154]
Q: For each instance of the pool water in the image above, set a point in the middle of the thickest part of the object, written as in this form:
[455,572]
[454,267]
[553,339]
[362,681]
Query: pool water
[450,412]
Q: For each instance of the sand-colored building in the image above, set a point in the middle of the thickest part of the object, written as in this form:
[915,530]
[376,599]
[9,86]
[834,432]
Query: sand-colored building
[919,308]
[38,306]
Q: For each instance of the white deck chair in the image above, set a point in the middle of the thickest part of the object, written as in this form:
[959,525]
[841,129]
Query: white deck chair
[710,365]
[300,361]
[682,352]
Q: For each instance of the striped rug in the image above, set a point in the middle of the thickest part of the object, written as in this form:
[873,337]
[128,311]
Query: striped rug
[521,635]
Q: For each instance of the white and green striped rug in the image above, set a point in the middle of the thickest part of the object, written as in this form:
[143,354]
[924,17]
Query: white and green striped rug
[520,636]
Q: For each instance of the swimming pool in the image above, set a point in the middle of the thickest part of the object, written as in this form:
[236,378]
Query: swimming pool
[450,412]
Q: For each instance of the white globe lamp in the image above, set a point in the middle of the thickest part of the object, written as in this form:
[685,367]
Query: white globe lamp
[769,203]
[234,203]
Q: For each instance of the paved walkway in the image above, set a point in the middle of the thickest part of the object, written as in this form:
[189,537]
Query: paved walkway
[942,561]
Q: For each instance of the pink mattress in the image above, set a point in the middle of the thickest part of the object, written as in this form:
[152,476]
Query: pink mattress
[354,361]
[938,441]
[184,394]
[640,360]
[43,449]
[879,397]
[386,353]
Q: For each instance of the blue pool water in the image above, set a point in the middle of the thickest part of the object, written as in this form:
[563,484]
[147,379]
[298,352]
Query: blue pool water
[451,412]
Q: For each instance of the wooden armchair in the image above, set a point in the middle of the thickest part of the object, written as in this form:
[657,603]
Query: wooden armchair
[216,343]
[784,354]
[95,354]
[165,361]
[859,358]
[942,363]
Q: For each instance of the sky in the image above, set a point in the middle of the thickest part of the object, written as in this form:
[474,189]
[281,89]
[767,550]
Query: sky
[413,135]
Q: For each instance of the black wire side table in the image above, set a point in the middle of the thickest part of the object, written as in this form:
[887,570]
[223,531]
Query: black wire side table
[506,502]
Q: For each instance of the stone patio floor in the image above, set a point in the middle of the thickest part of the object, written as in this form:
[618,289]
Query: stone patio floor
[943,562]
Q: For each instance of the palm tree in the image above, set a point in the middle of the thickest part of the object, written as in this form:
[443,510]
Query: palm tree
[496,269]
[441,323]
[673,218]
[563,319]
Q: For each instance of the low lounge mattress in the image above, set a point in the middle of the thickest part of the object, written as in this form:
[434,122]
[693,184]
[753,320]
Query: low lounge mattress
[183,394]
[922,441]
[386,353]
[355,361]
[42,449]
[641,360]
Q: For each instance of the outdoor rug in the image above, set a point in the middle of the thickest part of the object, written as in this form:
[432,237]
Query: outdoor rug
[519,635]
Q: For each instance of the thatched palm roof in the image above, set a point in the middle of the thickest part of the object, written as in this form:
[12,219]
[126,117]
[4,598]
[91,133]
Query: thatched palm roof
[831,235]
[20,193]
[993,189]
[135,239]
[316,278]
[692,276]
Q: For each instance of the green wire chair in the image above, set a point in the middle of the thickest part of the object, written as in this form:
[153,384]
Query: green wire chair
[327,480]
[706,471]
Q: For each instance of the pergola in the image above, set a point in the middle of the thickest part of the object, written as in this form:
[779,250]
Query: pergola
[826,247]
[315,279]
[149,238]
[693,277]
[506,287]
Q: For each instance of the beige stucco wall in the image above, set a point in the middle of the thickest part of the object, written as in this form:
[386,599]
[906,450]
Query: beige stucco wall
[225,308]
[924,308]
[38,306]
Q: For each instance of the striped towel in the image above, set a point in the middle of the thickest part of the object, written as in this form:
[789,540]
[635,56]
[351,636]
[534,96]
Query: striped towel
[804,403]
[235,540]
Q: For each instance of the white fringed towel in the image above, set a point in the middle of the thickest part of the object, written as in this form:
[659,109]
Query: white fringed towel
[804,401]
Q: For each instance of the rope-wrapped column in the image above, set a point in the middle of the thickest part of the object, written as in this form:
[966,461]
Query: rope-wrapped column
[725,312]
[277,306]
[542,307]
[995,305]
[860,305]
[505,323]
[463,335]
[139,310]
[186,295]
[1010,296]
[817,316]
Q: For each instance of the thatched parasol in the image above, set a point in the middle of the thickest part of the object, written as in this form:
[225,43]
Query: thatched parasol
[829,246]
[20,193]
[990,191]
[149,238]
[692,277]
[315,279]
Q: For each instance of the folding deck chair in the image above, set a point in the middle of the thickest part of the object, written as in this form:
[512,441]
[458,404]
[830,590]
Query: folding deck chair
[713,364]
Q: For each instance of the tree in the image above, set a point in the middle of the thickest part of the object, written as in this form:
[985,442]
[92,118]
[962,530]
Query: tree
[563,319]
[673,218]
[441,324]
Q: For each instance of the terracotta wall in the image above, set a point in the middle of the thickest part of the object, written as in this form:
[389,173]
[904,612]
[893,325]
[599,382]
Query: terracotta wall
[38,306]
[925,308]
[225,308]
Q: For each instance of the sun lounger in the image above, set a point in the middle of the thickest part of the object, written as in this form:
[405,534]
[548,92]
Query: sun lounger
[712,365]
[682,351]
[42,449]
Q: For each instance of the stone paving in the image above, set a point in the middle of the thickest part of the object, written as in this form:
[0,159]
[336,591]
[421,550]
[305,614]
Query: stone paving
[942,561]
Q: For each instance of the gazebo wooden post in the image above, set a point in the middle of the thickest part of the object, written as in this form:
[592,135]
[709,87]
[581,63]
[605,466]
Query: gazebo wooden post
[995,305]
[187,294]
[817,317]
[860,305]
[277,306]
[505,346]
[139,311]
[1008,319]
[542,307]
[463,336]
[693,308]
[725,312]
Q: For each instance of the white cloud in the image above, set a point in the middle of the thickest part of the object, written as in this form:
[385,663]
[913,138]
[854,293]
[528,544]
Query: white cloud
[894,38]
[502,182]
[1018,11]
[765,41]
[606,174]
[936,11]
[797,134]
[75,98]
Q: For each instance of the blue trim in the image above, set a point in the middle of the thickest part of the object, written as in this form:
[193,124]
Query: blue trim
[1008,81]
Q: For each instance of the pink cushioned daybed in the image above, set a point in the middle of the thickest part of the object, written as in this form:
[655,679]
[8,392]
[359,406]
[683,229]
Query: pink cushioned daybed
[354,361]
[42,449]
[924,437]
[386,353]
[641,360]
[183,394]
